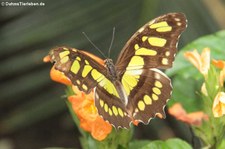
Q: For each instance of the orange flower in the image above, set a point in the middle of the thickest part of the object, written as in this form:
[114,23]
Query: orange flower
[83,106]
[59,76]
[56,75]
[218,63]
[219,105]
[221,65]
[46,59]
[201,62]
[194,118]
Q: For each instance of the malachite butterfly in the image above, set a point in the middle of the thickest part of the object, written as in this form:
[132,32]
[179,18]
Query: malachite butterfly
[134,88]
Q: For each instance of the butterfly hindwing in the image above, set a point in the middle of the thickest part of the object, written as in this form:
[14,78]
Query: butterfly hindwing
[150,96]
[112,110]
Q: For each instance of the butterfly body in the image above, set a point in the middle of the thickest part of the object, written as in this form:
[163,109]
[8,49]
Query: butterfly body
[134,88]
[111,69]
[112,74]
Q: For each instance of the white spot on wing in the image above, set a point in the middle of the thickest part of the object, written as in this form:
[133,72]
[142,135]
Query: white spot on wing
[179,24]
[160,72]
[177,19]
[141,29]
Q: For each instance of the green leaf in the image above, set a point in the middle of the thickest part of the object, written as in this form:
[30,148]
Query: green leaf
[138,144]
[155,145]
[222,145]
[177,144]
[169,144]
[185,91]
[214,41]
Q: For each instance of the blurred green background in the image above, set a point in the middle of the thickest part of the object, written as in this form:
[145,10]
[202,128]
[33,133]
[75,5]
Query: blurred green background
[33,113]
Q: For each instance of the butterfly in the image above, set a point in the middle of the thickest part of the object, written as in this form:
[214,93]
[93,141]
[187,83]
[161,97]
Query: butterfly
[133,88]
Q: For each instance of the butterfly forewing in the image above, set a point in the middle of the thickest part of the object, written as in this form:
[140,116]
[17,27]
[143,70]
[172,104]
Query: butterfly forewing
[79,67]
[153,45]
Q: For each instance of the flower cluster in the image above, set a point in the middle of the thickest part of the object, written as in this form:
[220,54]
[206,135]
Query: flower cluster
[202,63]
[83,106]
[212,93]
[219,102]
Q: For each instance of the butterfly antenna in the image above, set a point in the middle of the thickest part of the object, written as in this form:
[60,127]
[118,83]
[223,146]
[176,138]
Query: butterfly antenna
[94,45]
[110,47]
